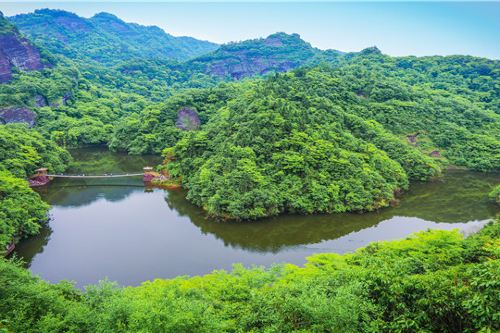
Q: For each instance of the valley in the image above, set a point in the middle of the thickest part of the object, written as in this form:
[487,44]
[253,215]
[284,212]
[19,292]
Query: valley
[297,189]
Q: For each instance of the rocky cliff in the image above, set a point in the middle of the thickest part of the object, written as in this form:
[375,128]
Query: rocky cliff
[278,52]
[17,115]
[16,52]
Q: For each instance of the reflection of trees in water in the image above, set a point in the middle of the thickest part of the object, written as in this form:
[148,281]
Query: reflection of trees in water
[80,192]
[71,193]
[457,197]
[28,248]
[101,160]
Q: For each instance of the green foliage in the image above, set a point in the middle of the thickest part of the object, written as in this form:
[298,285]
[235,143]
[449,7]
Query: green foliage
[301,149]
[433,281]
[21,210]
[45,87]
[495,194]
[104,38]
[155,127]
[451,103]
[23,150]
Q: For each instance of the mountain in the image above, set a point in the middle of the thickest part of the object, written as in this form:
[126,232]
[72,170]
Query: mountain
[16,52]
[278,52]
[105,38]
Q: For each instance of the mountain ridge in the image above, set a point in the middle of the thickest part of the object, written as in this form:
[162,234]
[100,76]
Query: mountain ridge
[278,52]
[105,38]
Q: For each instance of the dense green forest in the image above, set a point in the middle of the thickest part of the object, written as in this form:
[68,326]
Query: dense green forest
[346,131]
[21,152]
[251,129]
[311,141]
[105,38]
[433,281]
[341,132]
[495,194]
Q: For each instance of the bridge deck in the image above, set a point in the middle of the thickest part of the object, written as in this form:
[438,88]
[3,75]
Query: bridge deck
[97,176]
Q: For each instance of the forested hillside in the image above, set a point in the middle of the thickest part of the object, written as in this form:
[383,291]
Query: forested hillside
[284,136]
[105,38]
[310,141]
[279,52]
[23,150]
[342,132]
[434,281]
[251,129]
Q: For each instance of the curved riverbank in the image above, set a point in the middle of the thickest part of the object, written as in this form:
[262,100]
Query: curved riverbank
[130,233]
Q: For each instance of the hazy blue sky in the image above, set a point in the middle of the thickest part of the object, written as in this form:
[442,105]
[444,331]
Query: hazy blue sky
[397,28]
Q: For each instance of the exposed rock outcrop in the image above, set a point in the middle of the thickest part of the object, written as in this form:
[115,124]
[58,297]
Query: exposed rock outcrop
[412,138]
[278,52]
[16,51]
[17,115]
[38,181]
[187,119]
[5,71]
[40,101]
[435,153]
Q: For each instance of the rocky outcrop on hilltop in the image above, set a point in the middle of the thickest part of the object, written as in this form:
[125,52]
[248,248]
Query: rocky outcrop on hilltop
[278,52]
[16,51]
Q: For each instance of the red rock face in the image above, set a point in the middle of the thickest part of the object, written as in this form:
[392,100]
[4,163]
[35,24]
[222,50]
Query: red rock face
[246,66]
[148,177]
[187,119]
[16,51]
[39,181]
[5,71]
[17,115]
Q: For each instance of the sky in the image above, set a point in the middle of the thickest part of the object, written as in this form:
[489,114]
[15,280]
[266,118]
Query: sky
[396,28]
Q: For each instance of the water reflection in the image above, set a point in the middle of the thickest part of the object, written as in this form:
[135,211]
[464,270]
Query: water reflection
[97,161]
[458,196]
[121,230]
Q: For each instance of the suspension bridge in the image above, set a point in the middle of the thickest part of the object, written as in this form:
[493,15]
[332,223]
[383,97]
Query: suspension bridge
[96,176]
[42,176]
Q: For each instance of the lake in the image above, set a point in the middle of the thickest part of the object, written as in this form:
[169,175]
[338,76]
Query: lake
[120,230]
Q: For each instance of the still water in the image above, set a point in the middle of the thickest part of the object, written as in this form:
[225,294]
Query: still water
[118,229]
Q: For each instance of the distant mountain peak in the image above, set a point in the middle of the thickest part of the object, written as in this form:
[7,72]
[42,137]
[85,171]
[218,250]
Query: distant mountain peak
[278,52]
[54,13]
[284,35]
[106,16]
[371,50]
[281,38]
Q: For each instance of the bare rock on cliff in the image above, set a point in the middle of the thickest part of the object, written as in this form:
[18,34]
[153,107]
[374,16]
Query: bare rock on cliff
[17,115]
[187,119]
[278,52]
[40,101]
[5,71]
[16,51]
